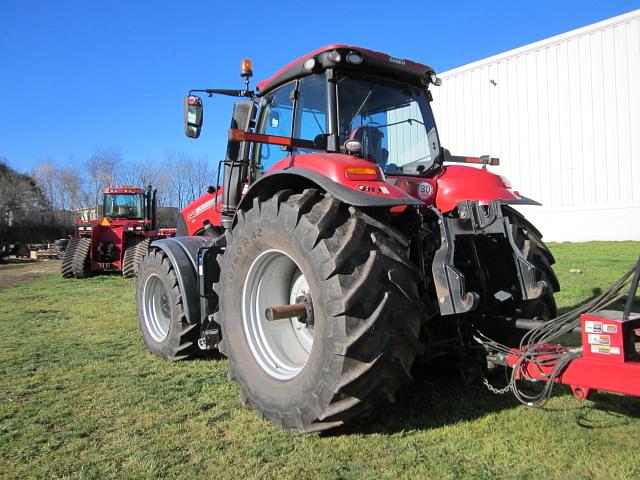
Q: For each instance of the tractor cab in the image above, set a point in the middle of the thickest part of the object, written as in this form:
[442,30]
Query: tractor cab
[337,99]
[124,203]
[354,117]
[343,109]
[135,207]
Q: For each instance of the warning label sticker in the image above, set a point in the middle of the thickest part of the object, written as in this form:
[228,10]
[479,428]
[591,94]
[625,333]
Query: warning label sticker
[605,349]
[595,339]
[592,327]
[609,328]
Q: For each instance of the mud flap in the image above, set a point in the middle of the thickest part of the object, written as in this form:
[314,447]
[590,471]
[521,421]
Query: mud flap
[475,219]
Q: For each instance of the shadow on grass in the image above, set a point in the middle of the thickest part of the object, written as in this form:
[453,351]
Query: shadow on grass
[442,399]
[619,304]
[17,261]
[619,409]
[595,292]
[446,401]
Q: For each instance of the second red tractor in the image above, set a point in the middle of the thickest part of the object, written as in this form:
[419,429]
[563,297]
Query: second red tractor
[120,239]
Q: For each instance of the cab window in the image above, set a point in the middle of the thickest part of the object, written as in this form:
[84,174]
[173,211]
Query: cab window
[308,97]
[311,110]
[276,118]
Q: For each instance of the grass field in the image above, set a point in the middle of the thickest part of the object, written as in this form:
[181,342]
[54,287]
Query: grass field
[80,397]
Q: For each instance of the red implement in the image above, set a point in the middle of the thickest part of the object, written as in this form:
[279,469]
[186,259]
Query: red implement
[609,362]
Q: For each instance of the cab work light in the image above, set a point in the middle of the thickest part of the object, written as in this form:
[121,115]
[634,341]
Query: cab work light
[246,68]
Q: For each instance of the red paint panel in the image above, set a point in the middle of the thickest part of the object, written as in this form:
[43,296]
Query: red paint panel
[421,188]
[333,166]
[588,374]
[457,183]
[108,234]
[201,209]
[616,368]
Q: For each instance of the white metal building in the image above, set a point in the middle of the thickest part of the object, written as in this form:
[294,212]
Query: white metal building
[563,116]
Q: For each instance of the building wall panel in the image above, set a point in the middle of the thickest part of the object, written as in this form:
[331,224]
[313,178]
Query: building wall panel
[563,115]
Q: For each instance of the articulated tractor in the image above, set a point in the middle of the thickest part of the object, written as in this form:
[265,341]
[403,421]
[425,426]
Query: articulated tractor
[120,239]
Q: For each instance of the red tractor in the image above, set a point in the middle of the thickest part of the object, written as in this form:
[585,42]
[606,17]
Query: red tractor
[342,244]
[119,240]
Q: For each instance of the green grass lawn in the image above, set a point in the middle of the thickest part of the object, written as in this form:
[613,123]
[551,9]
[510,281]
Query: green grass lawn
[80,397]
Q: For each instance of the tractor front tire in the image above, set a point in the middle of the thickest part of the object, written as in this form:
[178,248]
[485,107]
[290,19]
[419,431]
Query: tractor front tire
[162,319]
[136,249]
[75,261]
[366,310]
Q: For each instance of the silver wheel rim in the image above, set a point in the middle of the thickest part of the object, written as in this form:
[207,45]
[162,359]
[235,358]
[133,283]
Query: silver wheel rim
[280,347]
[156,308]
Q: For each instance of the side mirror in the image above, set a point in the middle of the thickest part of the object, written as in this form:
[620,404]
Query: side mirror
[192,116]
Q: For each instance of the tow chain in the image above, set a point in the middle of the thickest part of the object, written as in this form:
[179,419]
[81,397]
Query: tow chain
[497,391]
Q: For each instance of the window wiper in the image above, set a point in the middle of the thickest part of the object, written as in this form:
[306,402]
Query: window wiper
[313,114]
[364,102]
[407,120]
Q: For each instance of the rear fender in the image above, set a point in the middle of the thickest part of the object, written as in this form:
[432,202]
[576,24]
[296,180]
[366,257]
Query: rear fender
[457,184]
[182,253]
[301,178]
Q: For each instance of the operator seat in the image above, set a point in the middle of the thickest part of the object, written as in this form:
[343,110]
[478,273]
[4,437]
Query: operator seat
[370,138]
[123,210]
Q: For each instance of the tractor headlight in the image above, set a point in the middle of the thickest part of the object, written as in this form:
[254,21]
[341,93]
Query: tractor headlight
[335,56]
[309,64]
[354,58]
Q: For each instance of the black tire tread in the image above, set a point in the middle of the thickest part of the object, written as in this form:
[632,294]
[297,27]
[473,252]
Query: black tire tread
[529,239]
[66,267]
[136,249]
[380,310]
[75,262]
[183,344]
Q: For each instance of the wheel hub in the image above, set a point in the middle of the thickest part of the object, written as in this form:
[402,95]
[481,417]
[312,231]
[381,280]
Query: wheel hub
[156,308]
[164,305]
[280,347]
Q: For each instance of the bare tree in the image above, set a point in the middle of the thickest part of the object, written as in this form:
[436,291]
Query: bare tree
[46,174]
[198,177]
[141,173]
[64,189]
[174,166]
[187,178]
[103,169]
[71,185]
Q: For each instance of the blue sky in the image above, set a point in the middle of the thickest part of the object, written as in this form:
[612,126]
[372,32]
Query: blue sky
[77,76]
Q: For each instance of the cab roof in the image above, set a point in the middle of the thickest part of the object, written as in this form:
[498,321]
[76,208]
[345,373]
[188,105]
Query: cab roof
[124,189]
[372,62]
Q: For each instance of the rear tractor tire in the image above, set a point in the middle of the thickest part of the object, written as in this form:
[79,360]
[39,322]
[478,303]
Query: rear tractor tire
[75,261]
[161,314]
[313,375]
[529,240]
[136,249]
